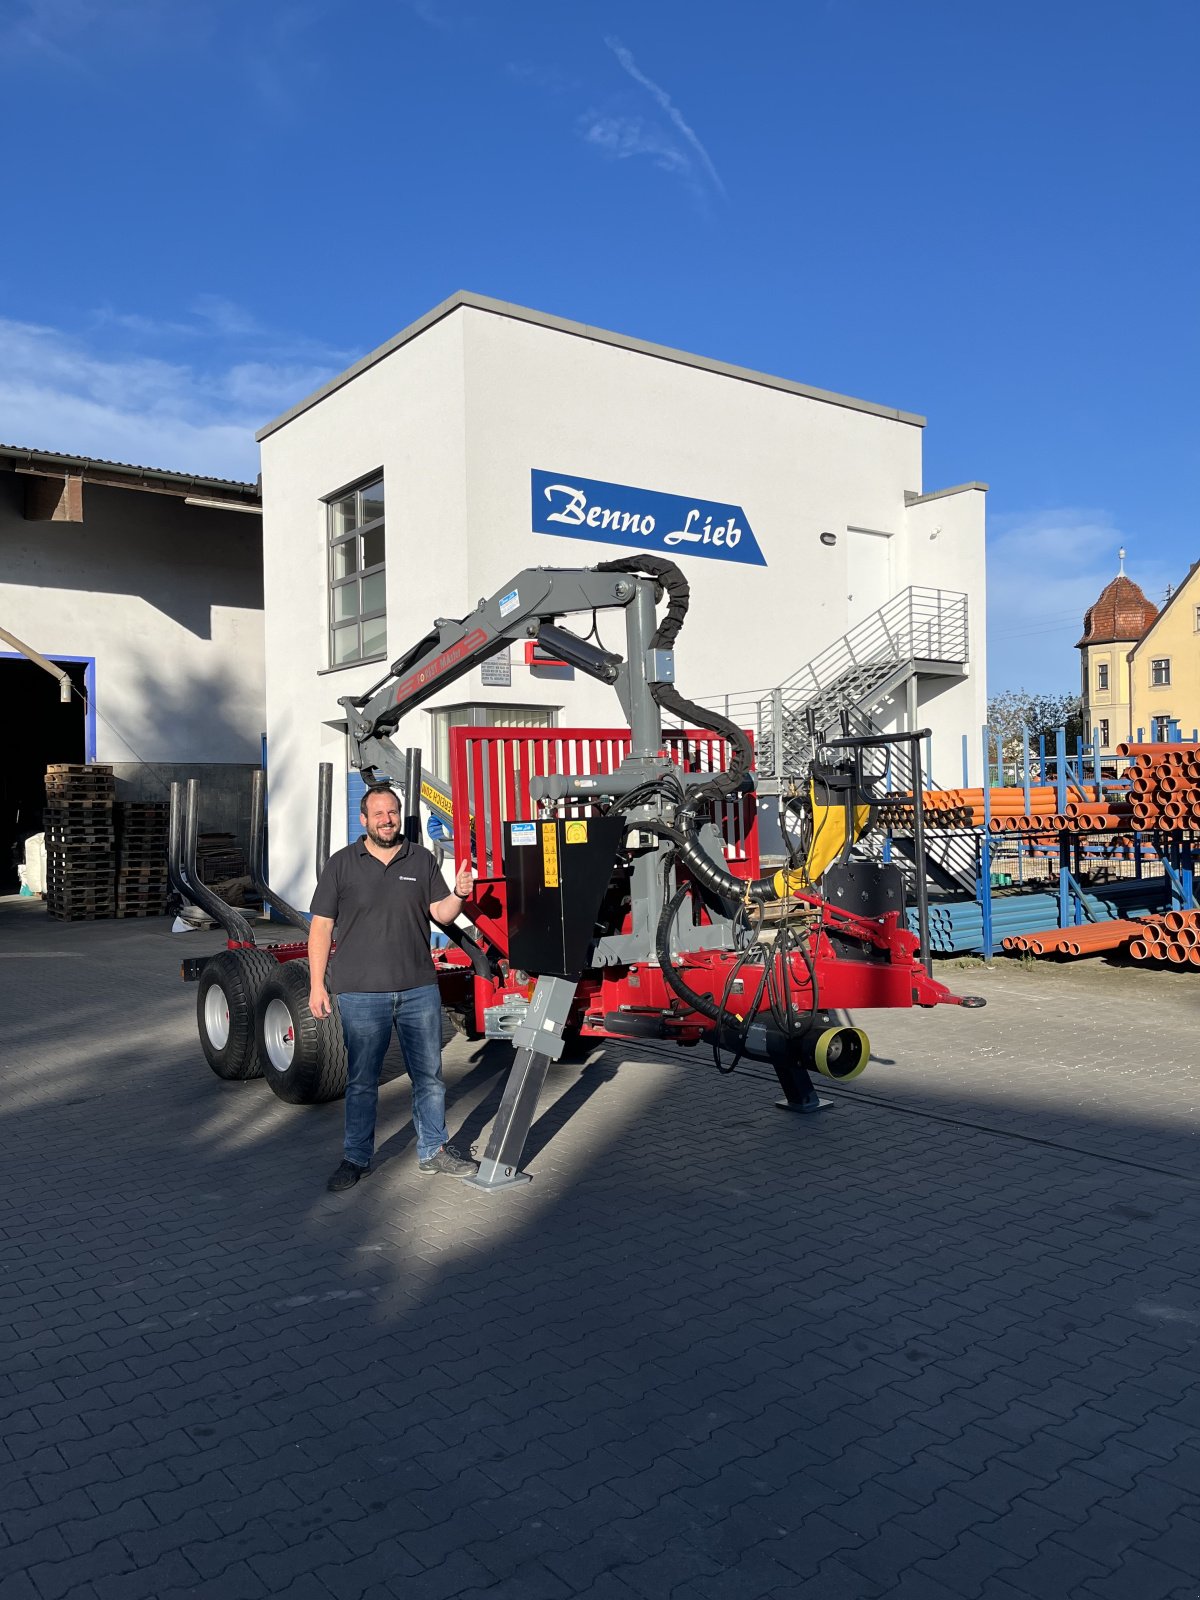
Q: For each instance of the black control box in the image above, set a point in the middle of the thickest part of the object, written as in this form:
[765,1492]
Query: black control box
[556,871]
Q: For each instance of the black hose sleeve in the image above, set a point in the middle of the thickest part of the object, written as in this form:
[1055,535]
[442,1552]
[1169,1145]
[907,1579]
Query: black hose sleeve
[672,581]
[722,783]
[662,949]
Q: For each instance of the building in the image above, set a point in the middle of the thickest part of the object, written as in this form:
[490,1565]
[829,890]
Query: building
[1164,667]
[1111,628]
[487,438]
[1140,666]
[145,586]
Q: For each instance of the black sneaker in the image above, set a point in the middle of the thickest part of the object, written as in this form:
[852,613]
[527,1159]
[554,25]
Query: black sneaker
[346,1176]
[448,1160]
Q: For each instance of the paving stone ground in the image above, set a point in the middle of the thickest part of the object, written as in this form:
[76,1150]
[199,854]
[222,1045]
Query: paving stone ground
[940,1341]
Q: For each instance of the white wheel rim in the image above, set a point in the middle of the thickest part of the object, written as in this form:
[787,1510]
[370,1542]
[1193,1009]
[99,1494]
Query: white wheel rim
[279,1035]
[216,1017]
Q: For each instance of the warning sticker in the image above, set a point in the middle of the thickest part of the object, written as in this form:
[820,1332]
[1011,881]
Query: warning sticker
[510,601]
[576,832]
[549,856]
[524,833]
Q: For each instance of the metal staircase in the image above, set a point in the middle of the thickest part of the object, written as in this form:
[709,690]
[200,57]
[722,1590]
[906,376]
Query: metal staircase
[919,633]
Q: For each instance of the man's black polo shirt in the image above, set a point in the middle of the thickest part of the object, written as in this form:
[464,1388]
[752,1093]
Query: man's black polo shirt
[382,917]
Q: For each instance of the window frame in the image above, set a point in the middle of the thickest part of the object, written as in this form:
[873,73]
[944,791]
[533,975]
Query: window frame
[1160,679]
[478,714]
[1162,729]
[1102,729]
[359,571]
[1102,677]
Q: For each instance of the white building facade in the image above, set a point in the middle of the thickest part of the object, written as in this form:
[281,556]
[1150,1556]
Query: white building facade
[145,587]
[487,438]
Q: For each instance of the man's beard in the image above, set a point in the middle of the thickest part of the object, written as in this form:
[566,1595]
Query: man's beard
[376,837]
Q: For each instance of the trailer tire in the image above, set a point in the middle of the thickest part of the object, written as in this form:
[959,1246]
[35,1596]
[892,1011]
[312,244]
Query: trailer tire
[304,1057]
[226,1003]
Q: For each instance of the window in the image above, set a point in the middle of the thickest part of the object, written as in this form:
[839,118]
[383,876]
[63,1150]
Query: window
[1162,729]
[357,605]
[482,716]
[1196,620]
[1102,675]
[1102,728]
[1160,672]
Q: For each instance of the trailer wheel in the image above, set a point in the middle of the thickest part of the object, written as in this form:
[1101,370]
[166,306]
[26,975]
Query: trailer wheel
[304,1057]
[230,985]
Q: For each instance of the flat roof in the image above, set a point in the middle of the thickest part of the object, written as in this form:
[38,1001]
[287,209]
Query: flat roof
[580,330]
[124,474]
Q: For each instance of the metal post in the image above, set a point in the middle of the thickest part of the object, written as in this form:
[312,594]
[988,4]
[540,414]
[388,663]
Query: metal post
[324,813]
[1025,765]
[919,846]
[966,775]
[645,718]
[412,794]
[985,854]
[777,732]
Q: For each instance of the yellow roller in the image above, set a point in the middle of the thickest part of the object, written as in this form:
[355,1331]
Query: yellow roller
[841,1053]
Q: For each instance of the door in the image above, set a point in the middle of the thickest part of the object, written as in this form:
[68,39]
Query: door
[37,729]
[868,573]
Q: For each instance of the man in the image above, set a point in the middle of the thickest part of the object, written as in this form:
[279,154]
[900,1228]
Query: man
[381,893]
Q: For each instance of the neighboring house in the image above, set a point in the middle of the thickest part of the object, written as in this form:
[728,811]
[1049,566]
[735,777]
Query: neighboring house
[486,438]
[1164,667]
[1140,667]
[146,587]
[1111,627]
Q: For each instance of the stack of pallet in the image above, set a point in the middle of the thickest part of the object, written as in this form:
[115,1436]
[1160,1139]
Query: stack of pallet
[219,858]
[141,832]
[79,842]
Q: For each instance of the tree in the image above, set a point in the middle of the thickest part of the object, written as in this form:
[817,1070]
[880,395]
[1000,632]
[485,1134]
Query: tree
[1015,714]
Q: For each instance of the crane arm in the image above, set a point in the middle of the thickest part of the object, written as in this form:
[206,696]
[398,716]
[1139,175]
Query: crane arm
[525,608]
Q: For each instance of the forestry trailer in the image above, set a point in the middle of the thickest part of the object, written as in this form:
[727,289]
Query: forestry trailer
[617,878]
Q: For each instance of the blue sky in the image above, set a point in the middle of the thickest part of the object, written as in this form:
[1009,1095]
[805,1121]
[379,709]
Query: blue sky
[983,213]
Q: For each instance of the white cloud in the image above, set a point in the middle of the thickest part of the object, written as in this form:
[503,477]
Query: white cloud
[675,116]
[672,145]
[622,137]
[1045,568]
[58,391]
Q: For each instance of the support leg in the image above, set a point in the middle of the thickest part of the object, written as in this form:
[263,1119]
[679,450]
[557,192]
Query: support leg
[798,1091]
[538,1042]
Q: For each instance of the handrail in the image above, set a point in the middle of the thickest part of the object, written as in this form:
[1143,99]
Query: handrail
[919,623]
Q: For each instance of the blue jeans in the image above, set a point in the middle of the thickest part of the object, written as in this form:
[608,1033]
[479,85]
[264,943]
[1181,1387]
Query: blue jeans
[367,1023]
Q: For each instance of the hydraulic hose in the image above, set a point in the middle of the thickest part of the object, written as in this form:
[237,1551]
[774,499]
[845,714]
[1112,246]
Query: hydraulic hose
[662,949]
[672,581]
[722,785]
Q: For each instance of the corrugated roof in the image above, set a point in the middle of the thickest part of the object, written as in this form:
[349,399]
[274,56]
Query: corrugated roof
[1121,614]
[581,330]
[12,455]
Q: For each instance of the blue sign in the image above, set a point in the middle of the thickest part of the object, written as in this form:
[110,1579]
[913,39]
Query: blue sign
[643,519]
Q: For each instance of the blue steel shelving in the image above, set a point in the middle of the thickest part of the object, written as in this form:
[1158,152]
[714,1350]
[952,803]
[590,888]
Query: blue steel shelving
[1068,902]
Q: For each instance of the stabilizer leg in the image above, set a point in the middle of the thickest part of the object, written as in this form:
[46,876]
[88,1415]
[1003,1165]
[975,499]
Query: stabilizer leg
[537,1042]
[798,1091]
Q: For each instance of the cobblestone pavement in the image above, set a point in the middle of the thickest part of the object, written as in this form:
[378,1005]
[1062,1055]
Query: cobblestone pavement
[937,1342]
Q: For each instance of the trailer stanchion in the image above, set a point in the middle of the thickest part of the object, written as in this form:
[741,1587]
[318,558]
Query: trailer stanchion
[258,814]
[324,813]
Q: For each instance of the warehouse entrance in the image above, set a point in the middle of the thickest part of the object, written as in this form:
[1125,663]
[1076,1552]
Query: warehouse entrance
[36,729]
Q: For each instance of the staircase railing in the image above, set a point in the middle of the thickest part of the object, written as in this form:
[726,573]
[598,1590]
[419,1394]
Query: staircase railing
[916,624]
[791,720]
